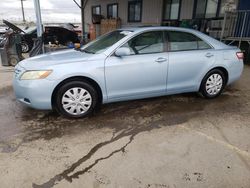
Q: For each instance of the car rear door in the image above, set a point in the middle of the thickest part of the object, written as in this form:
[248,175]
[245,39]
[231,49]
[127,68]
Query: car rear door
[189,58]
[142,73]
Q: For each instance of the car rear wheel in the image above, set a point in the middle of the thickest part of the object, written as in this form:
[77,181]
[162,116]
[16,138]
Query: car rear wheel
[213,84]
[76,99]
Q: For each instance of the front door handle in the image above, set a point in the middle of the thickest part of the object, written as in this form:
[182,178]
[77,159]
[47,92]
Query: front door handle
[209,55]
[160,60]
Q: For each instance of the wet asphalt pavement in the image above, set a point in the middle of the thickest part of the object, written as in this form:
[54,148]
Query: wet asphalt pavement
[173,141]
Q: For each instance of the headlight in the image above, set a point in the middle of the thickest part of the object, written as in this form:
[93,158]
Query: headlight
[33,75]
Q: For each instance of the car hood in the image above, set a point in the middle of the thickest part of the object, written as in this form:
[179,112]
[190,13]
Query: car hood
[13,27]
[55,58]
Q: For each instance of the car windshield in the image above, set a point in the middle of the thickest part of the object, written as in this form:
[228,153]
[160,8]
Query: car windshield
[106,41]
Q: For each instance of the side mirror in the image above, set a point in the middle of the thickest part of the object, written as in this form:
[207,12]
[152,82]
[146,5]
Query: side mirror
[123,51]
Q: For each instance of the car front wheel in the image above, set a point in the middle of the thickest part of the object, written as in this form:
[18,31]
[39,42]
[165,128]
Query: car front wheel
[213,84]
[76,99]
[25,47]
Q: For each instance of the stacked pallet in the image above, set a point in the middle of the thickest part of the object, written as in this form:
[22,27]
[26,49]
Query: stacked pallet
[108,25]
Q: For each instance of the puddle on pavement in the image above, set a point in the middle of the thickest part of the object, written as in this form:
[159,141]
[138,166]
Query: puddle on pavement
[20,121]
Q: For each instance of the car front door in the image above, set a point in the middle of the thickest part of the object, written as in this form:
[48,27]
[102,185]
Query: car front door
[142,73]
[189,58]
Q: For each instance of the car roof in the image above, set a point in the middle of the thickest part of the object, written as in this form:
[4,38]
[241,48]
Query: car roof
[213,42]
[149,28]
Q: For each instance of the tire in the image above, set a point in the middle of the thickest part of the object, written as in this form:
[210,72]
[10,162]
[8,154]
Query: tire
[213,84]
[25,47]
[76,99]
[13,60]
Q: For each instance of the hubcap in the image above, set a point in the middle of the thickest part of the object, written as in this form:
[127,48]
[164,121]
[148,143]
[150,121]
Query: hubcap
[13,61]
[214,84]
[76,101]
[25,47]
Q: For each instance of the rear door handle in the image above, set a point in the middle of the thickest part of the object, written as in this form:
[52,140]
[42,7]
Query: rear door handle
[160,60]
[209,55]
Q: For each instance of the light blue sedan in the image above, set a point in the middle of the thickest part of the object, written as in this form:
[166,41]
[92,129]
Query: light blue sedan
[127,64]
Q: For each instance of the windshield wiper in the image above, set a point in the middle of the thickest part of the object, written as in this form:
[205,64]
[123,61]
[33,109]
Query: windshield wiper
[88,52]
[82,50]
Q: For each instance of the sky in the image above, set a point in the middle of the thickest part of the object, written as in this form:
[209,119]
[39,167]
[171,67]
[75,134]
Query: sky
[53,11]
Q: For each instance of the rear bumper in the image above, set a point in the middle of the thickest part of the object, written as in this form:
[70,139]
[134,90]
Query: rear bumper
[34,93]
[235,71]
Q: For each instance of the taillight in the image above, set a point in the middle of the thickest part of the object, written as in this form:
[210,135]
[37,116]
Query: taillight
[240,55]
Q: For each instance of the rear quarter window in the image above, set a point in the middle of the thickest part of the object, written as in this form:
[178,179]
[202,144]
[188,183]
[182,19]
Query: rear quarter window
[182,41]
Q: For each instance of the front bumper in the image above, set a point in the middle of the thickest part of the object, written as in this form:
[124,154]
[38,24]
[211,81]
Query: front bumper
[34,93]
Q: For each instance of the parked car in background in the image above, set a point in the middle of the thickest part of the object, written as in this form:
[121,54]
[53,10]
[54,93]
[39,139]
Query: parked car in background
[53,34]
[127,64]
[1,37]
[76,28]
[2,32]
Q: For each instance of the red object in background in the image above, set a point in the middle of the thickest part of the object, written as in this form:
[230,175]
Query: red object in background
[240,55]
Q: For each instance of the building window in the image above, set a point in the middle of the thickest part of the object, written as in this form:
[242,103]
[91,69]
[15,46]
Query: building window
[96,10]
[226,5]
[112,10]
[171,9]
[134,11]
[206,8]
[223,6]
[212,6]
[200,9]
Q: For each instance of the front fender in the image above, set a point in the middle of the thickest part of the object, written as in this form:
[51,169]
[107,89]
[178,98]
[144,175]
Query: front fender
[94,72]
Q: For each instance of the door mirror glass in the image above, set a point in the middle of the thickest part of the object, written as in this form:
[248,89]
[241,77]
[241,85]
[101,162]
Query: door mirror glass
[123,51]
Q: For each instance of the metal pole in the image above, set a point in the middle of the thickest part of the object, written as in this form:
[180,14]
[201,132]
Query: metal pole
[82,19]
[242,29]
[23,11]
[38,18]
[223,26]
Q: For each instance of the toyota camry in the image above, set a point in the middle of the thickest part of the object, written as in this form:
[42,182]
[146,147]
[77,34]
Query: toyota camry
[127,64]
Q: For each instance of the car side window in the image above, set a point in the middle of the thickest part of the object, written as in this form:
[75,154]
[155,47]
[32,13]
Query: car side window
[146,43]
[181,41]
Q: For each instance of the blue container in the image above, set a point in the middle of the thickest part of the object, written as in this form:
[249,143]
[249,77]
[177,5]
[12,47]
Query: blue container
[243,5]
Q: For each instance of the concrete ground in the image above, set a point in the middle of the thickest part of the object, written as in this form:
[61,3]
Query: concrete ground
[6,74]
[173,141]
